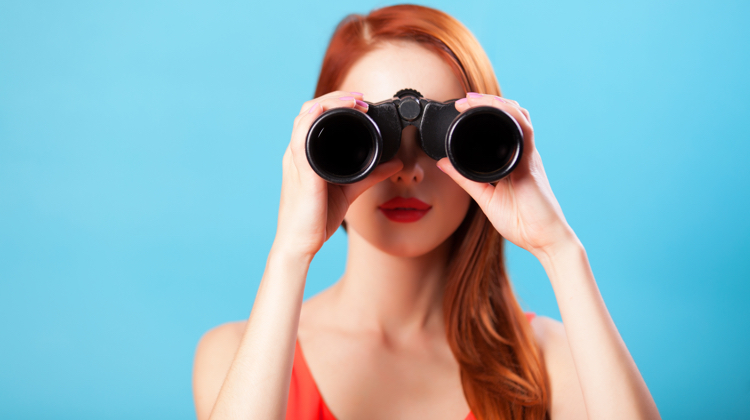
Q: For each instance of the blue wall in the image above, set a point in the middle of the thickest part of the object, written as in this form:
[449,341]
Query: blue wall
[140,148]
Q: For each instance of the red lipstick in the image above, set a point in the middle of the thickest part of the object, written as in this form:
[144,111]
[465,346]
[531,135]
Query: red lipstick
[404,210]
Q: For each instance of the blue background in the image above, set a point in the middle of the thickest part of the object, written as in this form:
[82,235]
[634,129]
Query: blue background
[140,149]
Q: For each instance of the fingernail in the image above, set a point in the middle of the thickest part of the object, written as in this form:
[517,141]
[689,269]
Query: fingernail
[312,108]
[475,95]
[363,104]
[357,94]
[461,101]
[346,98]
[500,99]
[438,165]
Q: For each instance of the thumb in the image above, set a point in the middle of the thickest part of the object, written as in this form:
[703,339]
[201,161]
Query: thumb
[380,173]
[481,192]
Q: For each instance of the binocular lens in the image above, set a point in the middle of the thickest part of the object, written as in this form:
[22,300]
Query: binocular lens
[484,144]
[342,146]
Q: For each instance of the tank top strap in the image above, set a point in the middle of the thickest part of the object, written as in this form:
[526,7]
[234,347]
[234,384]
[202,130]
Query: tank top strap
[530,316]
[305,401]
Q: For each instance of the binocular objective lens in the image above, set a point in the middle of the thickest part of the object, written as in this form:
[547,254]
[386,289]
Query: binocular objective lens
[483,143]
[342,146]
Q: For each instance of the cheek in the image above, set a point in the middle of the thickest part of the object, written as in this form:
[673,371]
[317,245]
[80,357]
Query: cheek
[363,208]
[454,204]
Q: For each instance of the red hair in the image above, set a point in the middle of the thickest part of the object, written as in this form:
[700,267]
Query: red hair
[502,371]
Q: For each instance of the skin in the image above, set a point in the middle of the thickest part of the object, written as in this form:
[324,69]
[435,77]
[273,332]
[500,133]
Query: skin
[375,341]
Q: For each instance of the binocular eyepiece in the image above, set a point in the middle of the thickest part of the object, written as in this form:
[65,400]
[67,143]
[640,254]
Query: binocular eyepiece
[344,145]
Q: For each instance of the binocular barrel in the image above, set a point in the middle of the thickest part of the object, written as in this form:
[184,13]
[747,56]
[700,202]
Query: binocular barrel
[344,145]
[484,144]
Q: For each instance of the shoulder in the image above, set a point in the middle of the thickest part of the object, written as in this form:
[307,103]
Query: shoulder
[218,345]
[213,357]
[549,333]
[221,336]
[566,398]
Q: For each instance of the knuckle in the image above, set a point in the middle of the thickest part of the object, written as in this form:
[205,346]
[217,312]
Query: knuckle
[305,106]
[329,95]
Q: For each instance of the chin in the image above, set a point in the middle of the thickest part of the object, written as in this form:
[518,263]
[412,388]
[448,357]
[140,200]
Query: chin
[406,247]
[402,239]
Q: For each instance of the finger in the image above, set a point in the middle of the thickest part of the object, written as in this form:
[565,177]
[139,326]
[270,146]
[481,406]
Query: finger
[381,172]
[481,192]
[524,112]
[331,102]
[325,104]
[474,99]
[477,99]
[335,94]
[510,101]
[345,101]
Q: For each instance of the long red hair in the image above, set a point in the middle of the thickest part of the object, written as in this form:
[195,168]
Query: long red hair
[502,371]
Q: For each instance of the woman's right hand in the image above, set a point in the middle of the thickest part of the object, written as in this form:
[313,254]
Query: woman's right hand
[311,209]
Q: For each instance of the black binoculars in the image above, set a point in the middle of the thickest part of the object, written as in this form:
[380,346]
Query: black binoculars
[344,145]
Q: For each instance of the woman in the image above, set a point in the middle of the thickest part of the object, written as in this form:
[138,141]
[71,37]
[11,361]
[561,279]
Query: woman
[423,323]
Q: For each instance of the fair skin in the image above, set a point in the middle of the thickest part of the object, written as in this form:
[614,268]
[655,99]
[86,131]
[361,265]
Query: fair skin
[375,341]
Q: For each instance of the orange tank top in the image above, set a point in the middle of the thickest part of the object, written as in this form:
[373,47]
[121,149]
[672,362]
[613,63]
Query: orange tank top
[305,401]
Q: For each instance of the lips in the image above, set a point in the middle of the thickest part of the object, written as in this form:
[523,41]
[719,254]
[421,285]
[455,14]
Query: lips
[404,210]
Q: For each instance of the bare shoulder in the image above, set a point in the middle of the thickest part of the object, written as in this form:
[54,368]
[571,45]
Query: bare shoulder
[213,357]
[549,333]
[566,398]
[220,342]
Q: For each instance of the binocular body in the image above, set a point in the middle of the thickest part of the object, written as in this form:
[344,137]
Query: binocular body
[344,145]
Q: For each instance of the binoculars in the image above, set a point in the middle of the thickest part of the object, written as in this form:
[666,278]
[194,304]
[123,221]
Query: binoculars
[344,145]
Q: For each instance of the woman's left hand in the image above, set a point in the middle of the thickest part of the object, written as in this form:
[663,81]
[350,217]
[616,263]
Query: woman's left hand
[521,206]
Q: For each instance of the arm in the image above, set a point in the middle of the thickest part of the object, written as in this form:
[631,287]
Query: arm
[610,381]
[240,375]
[524,210]
[243,371]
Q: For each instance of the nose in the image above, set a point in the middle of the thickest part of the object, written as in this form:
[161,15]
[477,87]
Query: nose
[409,154]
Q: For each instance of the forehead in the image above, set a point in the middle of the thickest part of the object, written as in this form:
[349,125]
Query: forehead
[393,66]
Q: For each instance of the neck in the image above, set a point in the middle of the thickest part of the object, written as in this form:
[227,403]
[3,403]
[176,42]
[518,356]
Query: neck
[393,295]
